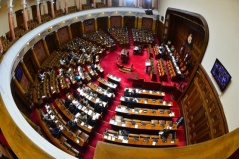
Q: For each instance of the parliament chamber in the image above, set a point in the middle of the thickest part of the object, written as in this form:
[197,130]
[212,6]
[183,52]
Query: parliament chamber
[61,98]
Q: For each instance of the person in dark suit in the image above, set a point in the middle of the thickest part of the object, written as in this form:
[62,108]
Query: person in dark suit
[56,132]
[67,102]
[72,125]
[72,108]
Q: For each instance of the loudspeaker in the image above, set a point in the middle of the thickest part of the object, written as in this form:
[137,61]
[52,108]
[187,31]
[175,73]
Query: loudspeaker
[148,12]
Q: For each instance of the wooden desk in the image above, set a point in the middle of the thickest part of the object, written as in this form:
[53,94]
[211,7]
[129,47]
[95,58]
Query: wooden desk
[92,99]
[145,102]
[114,79]
[70,116]
[106,84]
[54,140]
[98,89]
[139,125]
[145,93]
[144,111]
[141,141]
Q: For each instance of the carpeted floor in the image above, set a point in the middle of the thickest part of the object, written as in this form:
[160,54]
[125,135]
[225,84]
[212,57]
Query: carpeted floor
[109,65]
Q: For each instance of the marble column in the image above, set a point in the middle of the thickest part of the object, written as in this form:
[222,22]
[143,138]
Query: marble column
[80,4]
[52,9]
[1,47]
[24,14]
[38,12]
[66,6]
[10,21]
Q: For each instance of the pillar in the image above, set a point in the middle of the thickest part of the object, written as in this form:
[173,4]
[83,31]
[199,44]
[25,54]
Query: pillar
[154,26]
[10,21]
[80,4]
[24,14]
[52,9]
[94,3]
[21,91]
[19,87]
[66,6]
[108,1]
[45,47]
[109,26]
[38,12]
[44,7]
[59,2]
[155,4]
[83,27]
[57,38]
[1,47]
[36,59]
[136,22]
[25,70]
[139,23]
[69,31]
[122,22]
[96,25]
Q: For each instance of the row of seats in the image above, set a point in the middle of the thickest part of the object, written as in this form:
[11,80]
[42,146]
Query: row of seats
[61,142]
[161,69]
[142,36]
[120,35]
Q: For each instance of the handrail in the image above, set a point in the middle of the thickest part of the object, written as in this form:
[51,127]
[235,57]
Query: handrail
[221,148]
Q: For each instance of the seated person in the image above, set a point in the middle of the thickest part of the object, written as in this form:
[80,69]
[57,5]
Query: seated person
[126,92]
[72,125]
[77,78]
[56,132]
[72,108]
[51,123]
[83,117]
[68,102]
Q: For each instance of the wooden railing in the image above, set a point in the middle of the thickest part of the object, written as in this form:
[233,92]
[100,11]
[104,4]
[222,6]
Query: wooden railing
[222,147]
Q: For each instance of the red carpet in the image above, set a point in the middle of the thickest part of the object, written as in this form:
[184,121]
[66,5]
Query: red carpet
[109,65]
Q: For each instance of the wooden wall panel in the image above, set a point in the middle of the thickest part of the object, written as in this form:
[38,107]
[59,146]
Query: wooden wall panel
[76,30]
[29,62]
[24,82]
[203,112]
[147,23]
[63,35]
[115,21]
[102,23]
[89,25]
[40,51]
[52,42]
[129,22]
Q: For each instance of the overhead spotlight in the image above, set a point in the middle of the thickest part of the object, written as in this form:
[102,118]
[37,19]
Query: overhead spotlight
[28,43]
[76,17]
[116,12]
[39,34]
[129,12]
[63,22]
